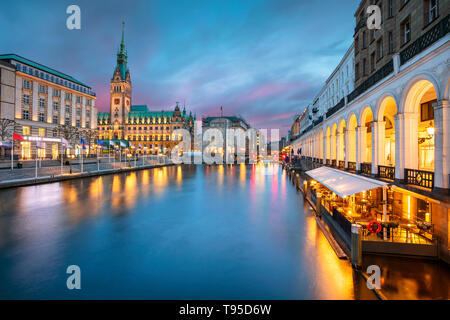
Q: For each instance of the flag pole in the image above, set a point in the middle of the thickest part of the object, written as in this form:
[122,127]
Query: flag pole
[98,160]
[81,158]
[62,154]
[12,154]
[35,170]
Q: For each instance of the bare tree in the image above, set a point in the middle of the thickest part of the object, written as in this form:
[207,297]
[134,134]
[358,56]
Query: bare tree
[90,135]
[71,134]
[6,129]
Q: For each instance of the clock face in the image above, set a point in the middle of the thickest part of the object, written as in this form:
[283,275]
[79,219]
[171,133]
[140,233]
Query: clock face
[116,101]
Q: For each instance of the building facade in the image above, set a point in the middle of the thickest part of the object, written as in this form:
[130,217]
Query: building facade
[395,124]
[45,100]
[136,126]
[222,124]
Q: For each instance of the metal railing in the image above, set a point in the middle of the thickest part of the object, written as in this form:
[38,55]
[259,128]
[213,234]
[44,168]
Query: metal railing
[333,163]
[341,164]
[351,166]
[75,168]
[382,73]
[366,168]
[318,121]
[336,108]
[426,40]
[386,172]
[419,178]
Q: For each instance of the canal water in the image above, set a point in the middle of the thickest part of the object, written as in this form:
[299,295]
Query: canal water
[181,232]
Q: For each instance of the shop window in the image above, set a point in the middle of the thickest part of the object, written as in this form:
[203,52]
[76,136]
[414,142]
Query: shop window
[26,150]
[55,151]
[423,210]
[41,151]
[41,132]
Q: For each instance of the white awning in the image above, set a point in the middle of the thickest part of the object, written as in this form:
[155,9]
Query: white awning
[342,183]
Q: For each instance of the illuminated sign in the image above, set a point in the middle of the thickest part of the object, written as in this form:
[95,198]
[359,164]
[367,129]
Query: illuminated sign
[42,139]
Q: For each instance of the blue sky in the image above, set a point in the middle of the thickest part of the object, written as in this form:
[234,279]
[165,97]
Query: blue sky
[262,59]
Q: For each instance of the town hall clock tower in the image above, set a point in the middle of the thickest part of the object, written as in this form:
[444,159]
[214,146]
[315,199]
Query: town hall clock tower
[120,91]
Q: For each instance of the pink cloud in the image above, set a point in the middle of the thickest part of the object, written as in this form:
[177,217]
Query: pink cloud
[265,91]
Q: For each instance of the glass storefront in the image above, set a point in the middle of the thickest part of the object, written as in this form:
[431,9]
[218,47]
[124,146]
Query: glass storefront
[55,151]
[41,152]
[26,150]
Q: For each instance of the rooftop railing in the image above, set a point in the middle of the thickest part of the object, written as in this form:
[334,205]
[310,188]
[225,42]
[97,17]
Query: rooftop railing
[336,108]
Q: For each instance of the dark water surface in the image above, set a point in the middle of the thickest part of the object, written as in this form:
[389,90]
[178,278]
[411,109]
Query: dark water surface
[193,232]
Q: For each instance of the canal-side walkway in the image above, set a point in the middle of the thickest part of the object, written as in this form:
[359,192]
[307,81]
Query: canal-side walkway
[401,277]
[31,176]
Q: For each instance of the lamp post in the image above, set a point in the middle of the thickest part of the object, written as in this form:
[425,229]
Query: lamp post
[115,151]
[143,156]
[133,152]
[98,159]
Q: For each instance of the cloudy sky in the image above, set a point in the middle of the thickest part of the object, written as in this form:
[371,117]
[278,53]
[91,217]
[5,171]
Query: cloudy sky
[262,59]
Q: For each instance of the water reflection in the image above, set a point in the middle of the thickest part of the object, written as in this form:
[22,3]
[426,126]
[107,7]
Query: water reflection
[181,232]
[403,278]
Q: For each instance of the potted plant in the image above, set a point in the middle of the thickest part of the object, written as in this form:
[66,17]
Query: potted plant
[390,224]
[425,226]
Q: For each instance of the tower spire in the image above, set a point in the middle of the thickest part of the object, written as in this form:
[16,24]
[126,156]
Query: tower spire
[122,56]
[123,32]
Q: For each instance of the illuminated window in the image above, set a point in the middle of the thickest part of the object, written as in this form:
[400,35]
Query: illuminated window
[26,131]
[41,132]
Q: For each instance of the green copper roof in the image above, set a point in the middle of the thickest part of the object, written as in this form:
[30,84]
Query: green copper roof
[122,56]
[41,67]
[142,111]
[103,115]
